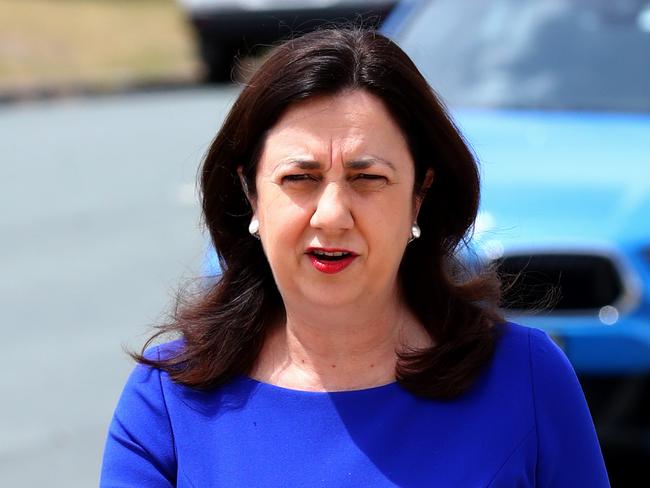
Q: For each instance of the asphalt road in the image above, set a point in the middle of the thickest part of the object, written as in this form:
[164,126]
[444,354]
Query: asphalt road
[99,226]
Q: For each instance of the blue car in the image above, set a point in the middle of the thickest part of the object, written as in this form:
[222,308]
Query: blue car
[554,98]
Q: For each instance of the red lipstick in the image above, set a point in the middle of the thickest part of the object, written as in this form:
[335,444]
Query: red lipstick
[330,260]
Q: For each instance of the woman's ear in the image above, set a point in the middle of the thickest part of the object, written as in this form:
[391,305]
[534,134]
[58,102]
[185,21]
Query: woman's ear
[419,198]
[244,185]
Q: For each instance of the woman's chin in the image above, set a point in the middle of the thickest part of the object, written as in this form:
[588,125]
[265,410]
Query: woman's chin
[330,297]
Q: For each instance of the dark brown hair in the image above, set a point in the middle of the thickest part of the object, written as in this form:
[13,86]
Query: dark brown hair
[223,327]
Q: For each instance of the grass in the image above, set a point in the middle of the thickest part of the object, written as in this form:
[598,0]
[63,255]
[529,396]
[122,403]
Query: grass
[100,43]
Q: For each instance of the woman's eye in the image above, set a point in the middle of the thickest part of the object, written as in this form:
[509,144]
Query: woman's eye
[364,176]
[369,181]
[298,178]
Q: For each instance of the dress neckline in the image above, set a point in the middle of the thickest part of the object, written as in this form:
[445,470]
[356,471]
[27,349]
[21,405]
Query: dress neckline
[282,389]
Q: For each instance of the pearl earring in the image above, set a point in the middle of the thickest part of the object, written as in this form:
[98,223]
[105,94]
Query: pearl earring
[415,232]
[254,228]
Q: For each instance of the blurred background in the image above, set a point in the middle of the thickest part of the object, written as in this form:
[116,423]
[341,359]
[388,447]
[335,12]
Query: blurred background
[108,106]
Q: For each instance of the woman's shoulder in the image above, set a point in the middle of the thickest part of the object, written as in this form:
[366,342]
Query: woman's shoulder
[140,440]
[530,344]
[569,452]
[146,381]
[552,376]
[515,332]
[165,350]
[148,386]
[527,362]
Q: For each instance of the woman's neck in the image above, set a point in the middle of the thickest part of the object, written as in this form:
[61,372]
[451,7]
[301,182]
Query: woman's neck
[340,350]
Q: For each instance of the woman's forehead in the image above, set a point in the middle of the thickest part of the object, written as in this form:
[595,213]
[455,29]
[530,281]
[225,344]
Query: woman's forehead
[348,126]
[346,111]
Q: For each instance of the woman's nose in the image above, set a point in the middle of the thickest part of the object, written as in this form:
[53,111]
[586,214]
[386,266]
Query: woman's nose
[332,211]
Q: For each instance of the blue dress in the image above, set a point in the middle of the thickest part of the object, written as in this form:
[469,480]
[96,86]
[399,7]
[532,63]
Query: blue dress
[524,423]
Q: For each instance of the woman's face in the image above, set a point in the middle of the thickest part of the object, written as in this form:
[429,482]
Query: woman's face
[335,176]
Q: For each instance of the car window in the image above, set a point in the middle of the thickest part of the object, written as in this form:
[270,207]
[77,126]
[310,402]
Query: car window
[554,54]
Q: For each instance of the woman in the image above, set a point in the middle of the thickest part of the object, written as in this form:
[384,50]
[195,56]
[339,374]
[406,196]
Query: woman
[343,345]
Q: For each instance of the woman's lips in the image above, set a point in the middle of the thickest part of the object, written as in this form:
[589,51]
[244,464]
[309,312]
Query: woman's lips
[327,264]
[331,267]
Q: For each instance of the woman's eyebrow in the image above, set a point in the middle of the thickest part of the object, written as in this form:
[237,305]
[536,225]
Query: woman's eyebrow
[367,163]
[356,164]
[300,163]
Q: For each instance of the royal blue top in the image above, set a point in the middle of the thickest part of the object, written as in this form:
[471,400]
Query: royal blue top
[524,423]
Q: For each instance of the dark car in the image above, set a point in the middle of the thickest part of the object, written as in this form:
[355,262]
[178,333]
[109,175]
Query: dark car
[227,28]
